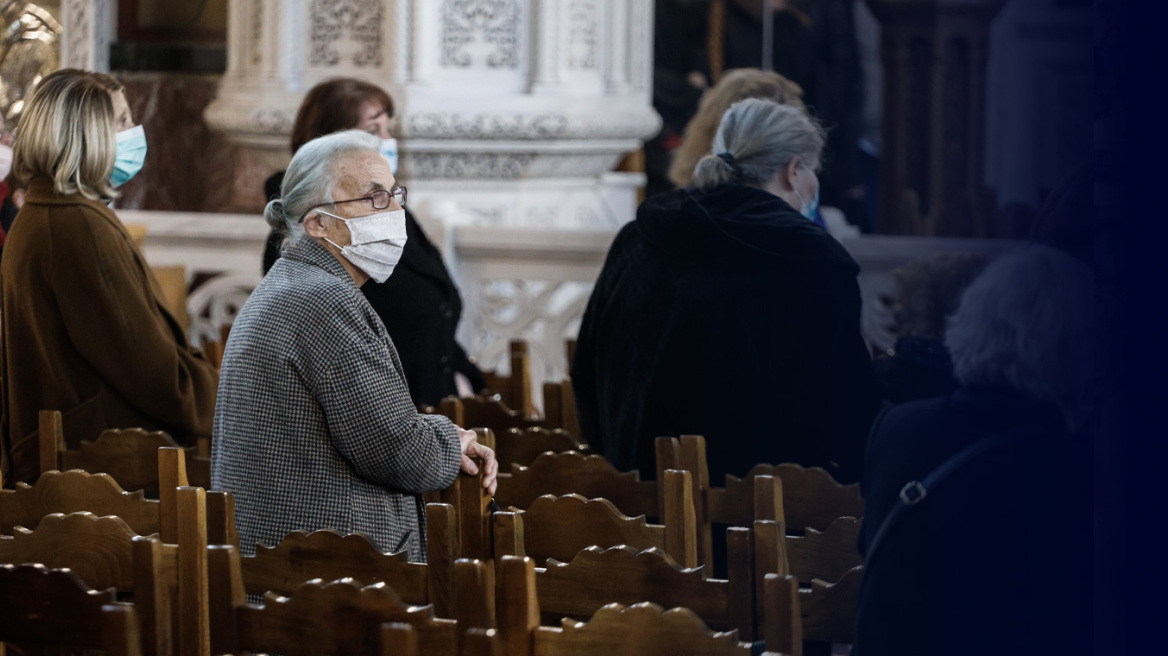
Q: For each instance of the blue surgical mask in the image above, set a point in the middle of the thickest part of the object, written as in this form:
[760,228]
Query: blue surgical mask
[389,152]
[808,209]
[130,155]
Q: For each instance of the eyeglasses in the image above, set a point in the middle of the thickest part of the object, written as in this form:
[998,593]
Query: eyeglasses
[379,199]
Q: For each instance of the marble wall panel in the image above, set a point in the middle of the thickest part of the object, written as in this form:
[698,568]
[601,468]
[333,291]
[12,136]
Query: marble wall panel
[189,166]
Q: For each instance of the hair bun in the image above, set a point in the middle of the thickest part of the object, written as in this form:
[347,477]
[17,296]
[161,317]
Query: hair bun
[275,216]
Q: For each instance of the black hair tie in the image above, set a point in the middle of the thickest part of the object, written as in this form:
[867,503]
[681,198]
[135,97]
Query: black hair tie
[729,159]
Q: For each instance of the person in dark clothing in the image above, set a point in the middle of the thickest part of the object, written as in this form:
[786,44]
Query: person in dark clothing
[996,556]
[419,304]
[927,292]
[726,312]
[815,46]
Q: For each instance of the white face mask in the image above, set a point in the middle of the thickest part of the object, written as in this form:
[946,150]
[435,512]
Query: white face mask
[389,152]
[375,242]
[5,161]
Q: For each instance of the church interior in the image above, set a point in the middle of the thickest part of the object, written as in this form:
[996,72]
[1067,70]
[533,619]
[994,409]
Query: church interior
[554,327]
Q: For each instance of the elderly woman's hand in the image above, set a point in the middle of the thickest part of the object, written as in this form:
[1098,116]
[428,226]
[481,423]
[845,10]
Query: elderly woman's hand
[472,449]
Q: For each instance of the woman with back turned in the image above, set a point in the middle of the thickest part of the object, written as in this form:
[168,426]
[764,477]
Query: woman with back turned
[727,312]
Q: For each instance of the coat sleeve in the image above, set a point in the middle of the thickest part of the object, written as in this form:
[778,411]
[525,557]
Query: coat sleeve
[114,318]
[374,425]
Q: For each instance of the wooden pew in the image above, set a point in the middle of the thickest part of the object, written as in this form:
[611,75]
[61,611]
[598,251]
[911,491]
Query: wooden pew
[811,498]
[130,455]
[323,618]
[327,555]
[573,472]
[560,527]
[53,607]
[483,412]
[105,553]
[185,526]
[596,577]
[824,612]
[514,389]
[559,408]
[643,629]
[521,447]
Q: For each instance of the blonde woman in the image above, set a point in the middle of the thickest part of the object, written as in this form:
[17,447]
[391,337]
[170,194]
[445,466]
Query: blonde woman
[735,85]
[85,327]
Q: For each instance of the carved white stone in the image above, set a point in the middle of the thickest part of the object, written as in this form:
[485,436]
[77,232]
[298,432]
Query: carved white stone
[481,33]
[345,32]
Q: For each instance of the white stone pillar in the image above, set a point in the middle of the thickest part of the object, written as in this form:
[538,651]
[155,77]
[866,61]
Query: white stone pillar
[87,30]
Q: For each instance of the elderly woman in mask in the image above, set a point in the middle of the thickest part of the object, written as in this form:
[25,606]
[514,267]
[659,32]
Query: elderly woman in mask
[314,428]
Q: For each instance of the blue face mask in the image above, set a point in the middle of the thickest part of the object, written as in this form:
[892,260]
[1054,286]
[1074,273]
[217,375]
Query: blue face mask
[389,152]
[809,209]
[130,155]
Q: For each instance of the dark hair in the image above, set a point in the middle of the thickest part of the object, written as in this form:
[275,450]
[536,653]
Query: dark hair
[334,105]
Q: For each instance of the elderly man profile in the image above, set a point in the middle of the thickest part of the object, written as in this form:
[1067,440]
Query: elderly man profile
[314,427]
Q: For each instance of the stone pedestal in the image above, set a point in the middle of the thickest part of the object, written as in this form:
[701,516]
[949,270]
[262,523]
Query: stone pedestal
[934,54]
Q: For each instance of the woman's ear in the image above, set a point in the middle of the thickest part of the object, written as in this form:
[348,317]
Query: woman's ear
[314,225]
[789,172]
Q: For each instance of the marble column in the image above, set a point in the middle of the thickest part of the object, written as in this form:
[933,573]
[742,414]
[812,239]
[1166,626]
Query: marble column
[88,27]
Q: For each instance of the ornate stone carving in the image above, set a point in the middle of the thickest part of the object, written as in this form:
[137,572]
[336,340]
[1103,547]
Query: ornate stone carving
[470,126]
[605,124]
[345,26]
[505,165]
[215,303]
[469,24]
[276,121]
[544,313]
[582,29]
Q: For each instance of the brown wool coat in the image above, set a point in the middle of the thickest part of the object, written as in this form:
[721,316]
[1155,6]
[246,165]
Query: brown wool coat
[86,331]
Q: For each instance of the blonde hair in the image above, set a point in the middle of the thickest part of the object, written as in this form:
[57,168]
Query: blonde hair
[738,84]
[67,134]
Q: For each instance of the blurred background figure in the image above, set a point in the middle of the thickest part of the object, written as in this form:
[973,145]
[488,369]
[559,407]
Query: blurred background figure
[1004,466]
[926,294]
[720,302]
[420,304]
[734,86]
[815,46]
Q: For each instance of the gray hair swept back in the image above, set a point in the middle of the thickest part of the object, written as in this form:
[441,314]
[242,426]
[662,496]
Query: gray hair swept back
[310,178]
[762,136]
[1027,323]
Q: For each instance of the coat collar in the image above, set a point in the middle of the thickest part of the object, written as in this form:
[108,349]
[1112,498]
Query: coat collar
[41,192]
[308,250]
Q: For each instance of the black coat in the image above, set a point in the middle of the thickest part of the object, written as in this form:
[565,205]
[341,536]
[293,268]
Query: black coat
[726,314]
[420,307]
[996,561]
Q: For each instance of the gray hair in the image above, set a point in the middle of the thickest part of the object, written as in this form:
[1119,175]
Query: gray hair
[761,137]
[1027,323]
[310,178]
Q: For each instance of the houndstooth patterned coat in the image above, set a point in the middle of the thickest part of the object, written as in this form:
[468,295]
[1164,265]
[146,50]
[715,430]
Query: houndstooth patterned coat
[314,427]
